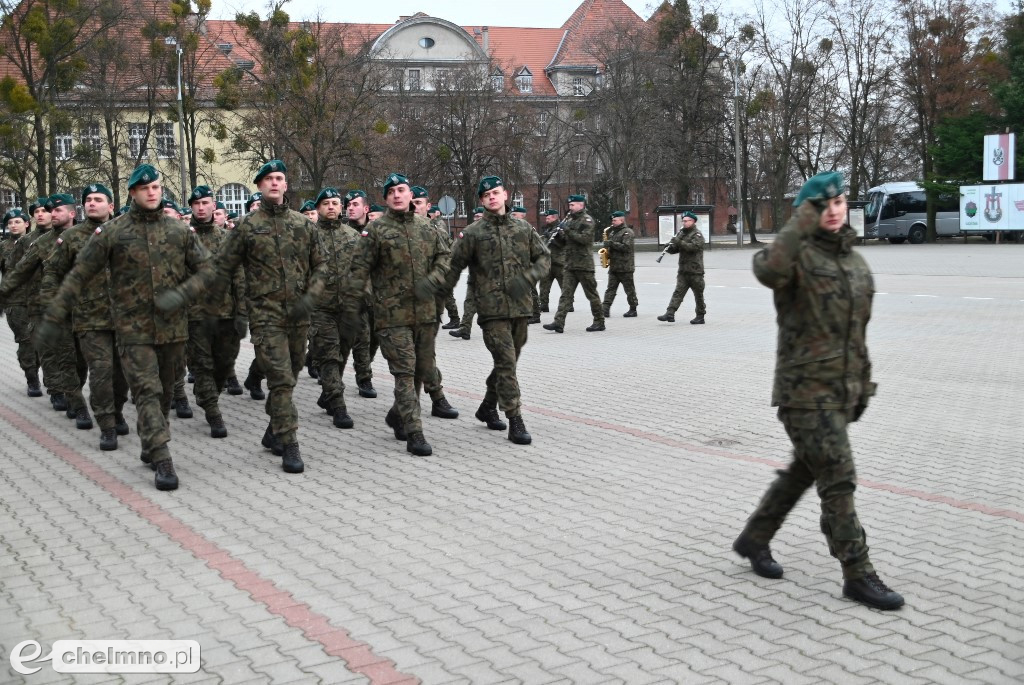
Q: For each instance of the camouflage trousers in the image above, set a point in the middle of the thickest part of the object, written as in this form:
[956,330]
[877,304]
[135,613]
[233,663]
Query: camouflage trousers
[504,339]
[822,457]
[448,304]
[151,371]
[281,354]
[626,279]
[555,274]
[331,345]
[365,347]
[179,384]
[536,301]
[108,388]
[684,283]
[570,279]
[64,367]
[211,351]
[468,309]
[28,360]
[255,372]
[410,354]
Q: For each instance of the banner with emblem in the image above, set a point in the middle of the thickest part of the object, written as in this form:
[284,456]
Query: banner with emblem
[1000,151]
[992,207]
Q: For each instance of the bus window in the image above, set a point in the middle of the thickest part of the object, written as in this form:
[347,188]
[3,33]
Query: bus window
[888,209]
[947,202]
[871,211]
[911,203]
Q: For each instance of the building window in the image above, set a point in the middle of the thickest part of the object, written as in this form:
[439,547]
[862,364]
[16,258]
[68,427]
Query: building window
[524,81]
[518,199]
[63,145]
[627,202]
[577,86]
[9,199]
[233,195]
[598,165]
[545,201]
[668,197]
[498,80]
[91,137]
[137,134]
[412,79]
[461,209]
[579,126]
[441,78]
[426,42]
[697,196]
[165,147]
[581,162]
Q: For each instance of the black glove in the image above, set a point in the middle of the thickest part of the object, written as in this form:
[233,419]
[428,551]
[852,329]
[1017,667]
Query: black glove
[241,326]
[859,410]
[518,286]
[170,301]
[424,289]
[302,308]
[608,244]
[46,334]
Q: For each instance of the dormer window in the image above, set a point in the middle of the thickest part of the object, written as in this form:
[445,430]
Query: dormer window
[497,80]
[524,81]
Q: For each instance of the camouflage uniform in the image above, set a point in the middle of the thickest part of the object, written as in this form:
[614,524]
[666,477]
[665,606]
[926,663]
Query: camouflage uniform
[689,244]
[578,239]
[622,265]
[364,349]
[331,340]
[557,263]
[213,342]
[92,323]
[145,253]
[283,261]
[16,308]
[396,252]
[498,249]
[823,292]
[445,303]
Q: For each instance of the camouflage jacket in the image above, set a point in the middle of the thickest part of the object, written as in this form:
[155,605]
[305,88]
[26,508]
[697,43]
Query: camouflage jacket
[283,260]
[339,243]
[441,227]
[823,292]
[497,249]
[11,252]
[92,313]
[578,239]
[620,248]
[395,252]
[27,274]
[557,247]
[230,302]
[146,253]
[689,243]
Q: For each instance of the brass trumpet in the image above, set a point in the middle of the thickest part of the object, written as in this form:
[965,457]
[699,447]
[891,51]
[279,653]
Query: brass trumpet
[606,257]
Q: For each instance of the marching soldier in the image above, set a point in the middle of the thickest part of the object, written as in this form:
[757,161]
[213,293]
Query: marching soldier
[308,208]
[376,212]
[520,213]
[365,347]
[506,257]
[408,265]
[449,304]
[578,239]
[285,273]
[146,252]
[253,203]
[622,264]
[557,259]
[220,220]
[254,379]
[465,328]
[181,407]
[689,243]
[16,309]
[823,291]
[92,319]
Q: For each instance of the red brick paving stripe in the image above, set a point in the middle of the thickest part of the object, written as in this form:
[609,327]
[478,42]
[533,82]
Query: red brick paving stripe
[733,456]
[337,642]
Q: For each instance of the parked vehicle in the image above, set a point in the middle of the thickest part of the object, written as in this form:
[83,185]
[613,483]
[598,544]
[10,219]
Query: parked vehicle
[898,212]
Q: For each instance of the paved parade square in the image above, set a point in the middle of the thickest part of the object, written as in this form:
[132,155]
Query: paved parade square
[598,554]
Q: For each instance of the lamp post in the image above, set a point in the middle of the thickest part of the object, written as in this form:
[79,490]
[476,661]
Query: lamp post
[170,40]
[736,138]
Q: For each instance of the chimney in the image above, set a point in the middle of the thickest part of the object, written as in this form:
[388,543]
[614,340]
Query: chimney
[487,40]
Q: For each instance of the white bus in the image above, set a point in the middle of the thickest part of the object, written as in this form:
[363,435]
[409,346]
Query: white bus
[898,212]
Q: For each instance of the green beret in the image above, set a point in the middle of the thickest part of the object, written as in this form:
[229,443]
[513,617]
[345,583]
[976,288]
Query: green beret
[253,199]
[199,192]
[220,205]
[488,183]
[376,208]
[269,168]
[619,213]
[823,186]
[232,215]
[419,191]
[433,208]
[186,211]
[326,194]
[691,215]
[551,212]
[307,206]
[478,210]
[14,213]
[143,174]
[94,188]
[62,200]
[521,210]
[577,198]
[394,180]
[169,203]
[353,194]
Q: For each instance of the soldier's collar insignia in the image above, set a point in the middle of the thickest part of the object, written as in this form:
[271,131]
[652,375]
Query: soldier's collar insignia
[99,229]
[460,234]
[60,241]
[365,233]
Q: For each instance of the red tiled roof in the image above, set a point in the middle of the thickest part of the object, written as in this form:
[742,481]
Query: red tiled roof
[589,25]
[512,48]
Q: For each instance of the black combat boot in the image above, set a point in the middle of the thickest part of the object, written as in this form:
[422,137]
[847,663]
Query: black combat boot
[182,409]
[147,459]
[166,478]
[272,443]
[452,324]
[460,333]
[121,426]
[517,431]
[418,445]
[217,427]
[630,314]
[33,389]
[254,386]
[697,319]
[544,308]
[322,403]
[488,413]
[667,316]
[59,402]
[760,557]
[232,386]
[596,326]
[554,327]
[291,460]
[342,419]
[607,310]
[366,389]
[191,378]
[443,410]
[82,419]
[71,412]
[872,592]
[310,369]
[534,319]
[395,422]
[108,439]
